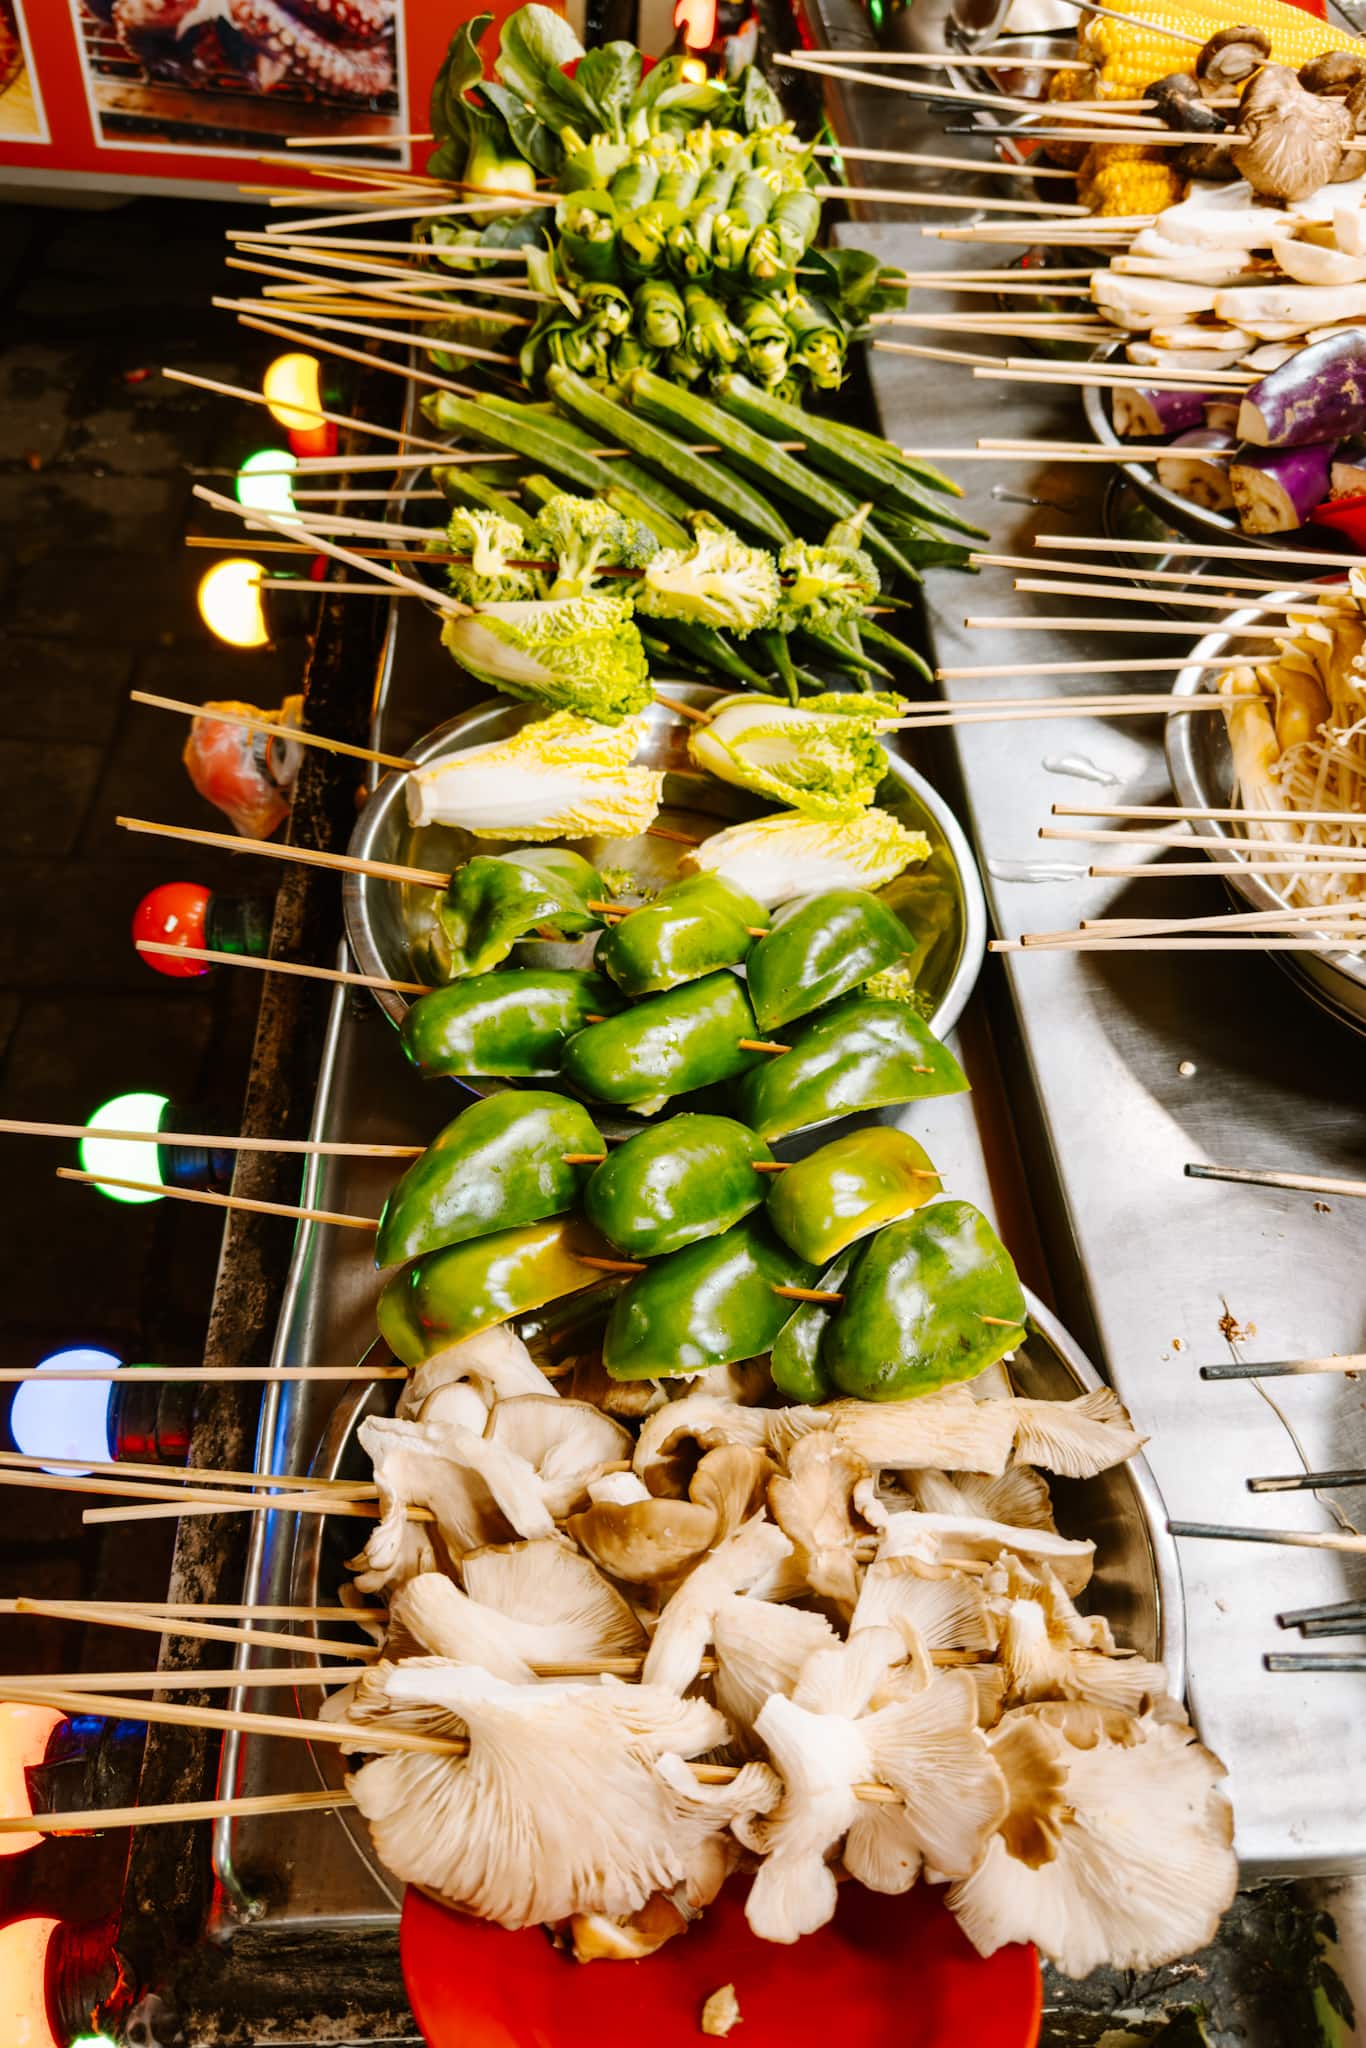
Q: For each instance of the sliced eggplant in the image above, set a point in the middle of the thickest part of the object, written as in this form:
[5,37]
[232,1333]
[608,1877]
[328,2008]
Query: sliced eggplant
[1276,489]
[1222,415]
[1146,415]
[1319,395]
[1188,469]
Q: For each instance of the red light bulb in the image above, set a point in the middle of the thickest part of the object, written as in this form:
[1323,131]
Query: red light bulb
[176,914]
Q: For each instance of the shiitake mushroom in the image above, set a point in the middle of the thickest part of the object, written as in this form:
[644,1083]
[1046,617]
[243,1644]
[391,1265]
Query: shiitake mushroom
[1232,56]
[1334,74]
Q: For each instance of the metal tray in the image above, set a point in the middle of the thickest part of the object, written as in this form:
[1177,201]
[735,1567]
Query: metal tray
[1136,1586]
[1201,764]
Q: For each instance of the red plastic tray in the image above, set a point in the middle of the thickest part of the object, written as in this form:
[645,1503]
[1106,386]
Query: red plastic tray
[889,1970]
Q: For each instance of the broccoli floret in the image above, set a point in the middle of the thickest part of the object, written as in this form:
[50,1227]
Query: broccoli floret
[822,585]
[719,581]
[493,544]
[579,654]
[585,536]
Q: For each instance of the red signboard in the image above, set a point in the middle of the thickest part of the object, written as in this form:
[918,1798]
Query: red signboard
[176,94]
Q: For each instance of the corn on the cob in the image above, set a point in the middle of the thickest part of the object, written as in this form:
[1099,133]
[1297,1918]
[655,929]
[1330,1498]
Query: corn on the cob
[1128,59]
[1125,178]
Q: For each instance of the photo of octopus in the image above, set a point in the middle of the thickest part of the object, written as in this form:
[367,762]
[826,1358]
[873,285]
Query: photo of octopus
[231,74]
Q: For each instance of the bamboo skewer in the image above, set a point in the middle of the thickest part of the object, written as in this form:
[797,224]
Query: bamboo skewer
[1109,378]
[291,1210]
[97,1820]
[965,96]
[293,529]
[139,1621]
[499,203]
[1084,942]
[92,1610]
[1299,1539]
[1130,626]
[171,1500]
[896,195]
[401,255]
[1251,848]
[17,1127]
[377,281]
[1277,921]
[1135,665]
[914,160]
[1218,551]
[363,331]
[340,977]
[199,1375]
[333,419]
[1179,577]
[1231,814]
[1308,1183]
[1203,600]
[189,1475]
[260,723]
[1285,1368]
[310,856]
[1187,871]
[306,340]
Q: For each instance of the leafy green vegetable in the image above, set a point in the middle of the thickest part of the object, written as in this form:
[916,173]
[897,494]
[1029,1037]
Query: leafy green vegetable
[585,536]
[579,654]
[785,854]
[535,46]
[822,756]
[557,778]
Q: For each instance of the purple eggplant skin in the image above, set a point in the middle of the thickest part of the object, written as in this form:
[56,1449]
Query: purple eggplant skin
[1318,396]
[1275,489]
[1142,413]
[1204,483]
[1222,415]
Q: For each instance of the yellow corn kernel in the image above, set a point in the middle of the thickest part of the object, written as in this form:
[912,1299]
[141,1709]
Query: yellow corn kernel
[1129,59]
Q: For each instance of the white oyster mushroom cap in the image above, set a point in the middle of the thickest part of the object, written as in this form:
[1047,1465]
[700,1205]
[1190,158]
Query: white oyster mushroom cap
[760,1650]
[698,1421]
[1076,1439]
[617,1490]
[1041,1664]
[820,1759]
[565,1442]
[942,1538]
[949,1431]
[812,1503]
[932,1605]
[512,1480]
[540,1604]
[496,1363]
[738,1565]
[1011,1578]
[557,1808]
[1019,1495]
[1141,1864]
[413,1469]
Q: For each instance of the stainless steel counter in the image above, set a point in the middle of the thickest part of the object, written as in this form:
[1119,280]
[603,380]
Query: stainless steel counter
[1125,1067]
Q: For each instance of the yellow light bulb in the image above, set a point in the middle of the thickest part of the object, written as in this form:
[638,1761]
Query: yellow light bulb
[230,603]
[293,391]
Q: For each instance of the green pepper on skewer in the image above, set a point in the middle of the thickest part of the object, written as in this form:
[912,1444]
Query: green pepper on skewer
[780,244]
[686,1179]
[447,1295]
[857,1054]
[659,317]
[794,1363]
[850,1187]
[588,226]
[692,928]
[709,1304]
[928,1302]
[496,899]
[820,947]
[499,1165]
[751,203]
[668,1045]
[513,1024]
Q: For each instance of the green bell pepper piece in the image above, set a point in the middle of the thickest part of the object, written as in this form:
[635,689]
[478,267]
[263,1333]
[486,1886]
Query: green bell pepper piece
[850,1187]
[820,947]
[499,1164]
[450,1294]
[515,1023]
[689,1178]
[692,928]
[497,898]
[928,1302]
[665,1046]
[709,1304]
[794,1362]
[858,1054]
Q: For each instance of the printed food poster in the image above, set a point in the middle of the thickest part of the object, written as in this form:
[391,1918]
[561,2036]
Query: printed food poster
[241,74]
[21,107]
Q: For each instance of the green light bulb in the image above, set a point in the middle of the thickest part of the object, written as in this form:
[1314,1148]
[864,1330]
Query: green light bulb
[124,1158]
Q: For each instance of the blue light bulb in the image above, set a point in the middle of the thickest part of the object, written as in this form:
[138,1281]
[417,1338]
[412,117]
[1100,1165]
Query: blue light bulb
[66,1418]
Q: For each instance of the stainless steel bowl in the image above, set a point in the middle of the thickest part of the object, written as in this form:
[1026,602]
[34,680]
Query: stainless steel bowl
[388,923]
[1136,1585]
[1201,764]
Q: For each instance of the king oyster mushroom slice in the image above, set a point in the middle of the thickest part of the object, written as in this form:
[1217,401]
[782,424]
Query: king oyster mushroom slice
[940,1539]
[566,1443]
[760,1650]
[538,1604]
[412,1469]
[812,1503]
[1295,138]
[645,1541]
[1019,1496]
[493,1365]
[1130,1861]
[558,1806]
[825,1742]
[742,1564]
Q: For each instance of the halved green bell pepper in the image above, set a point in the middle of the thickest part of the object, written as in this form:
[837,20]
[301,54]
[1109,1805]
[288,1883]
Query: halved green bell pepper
[692,928]
[497,898]
[709,1304]
[667,1045]
[794,1363]
[850,1187]
[929,1301]
[513,1023]
[858,1054]
[688,1178]
[820,947]
[499,1164]
[464,1288]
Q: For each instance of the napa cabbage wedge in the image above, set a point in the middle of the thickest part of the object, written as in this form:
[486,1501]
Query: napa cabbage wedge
[786,854]
[823,756]
[556,778]
[576,654]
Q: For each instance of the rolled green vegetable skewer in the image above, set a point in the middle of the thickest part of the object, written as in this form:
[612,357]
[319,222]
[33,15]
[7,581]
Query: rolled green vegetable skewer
[768,344]
[683,368]
[819,341]
[678,186]
[713,337]
[643,241]
[690,239]
[780,244]
[635,185]
[588,225]
[660,320]
[748,208]
[590,166]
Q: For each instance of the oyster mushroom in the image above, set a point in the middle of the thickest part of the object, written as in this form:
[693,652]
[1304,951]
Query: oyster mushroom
[1231,56]
[566,1443]
[940,1539]
[672,1439]
[739,1565]
[927,1604]
[948,1430]
[645,1541]
[594,1937]
[493,1365]
[1078,1438]
[1019,1496]
[539,1604]
[760,1650]
[558,1807]
[1296,139]
[1010,1578]
[1142,1865]
[1040,1662]
[413,1469]
[812,1503]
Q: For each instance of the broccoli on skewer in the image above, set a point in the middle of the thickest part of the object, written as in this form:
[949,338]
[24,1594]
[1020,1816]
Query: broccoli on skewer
[493,545]
[586,535]
[719,581]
